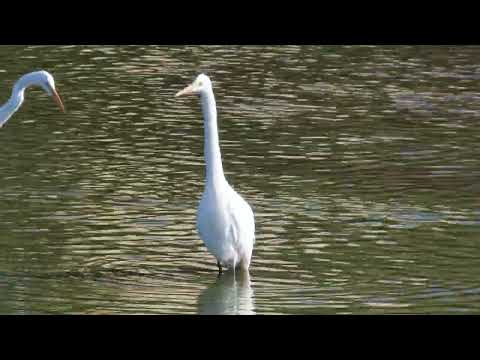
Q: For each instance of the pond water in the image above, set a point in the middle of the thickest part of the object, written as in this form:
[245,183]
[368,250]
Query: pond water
[360,163]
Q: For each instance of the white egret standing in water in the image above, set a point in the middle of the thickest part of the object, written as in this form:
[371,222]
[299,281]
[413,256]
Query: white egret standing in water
[225,221]
[36,78]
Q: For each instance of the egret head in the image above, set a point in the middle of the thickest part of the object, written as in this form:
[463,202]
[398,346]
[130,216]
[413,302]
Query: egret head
[45,80]
[201,84]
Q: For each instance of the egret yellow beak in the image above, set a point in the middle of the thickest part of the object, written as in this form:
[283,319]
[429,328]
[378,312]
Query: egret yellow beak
[58,99]
[187,91]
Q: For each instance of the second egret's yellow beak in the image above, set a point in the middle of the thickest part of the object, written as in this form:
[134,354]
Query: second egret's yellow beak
[189,90]
[58,99]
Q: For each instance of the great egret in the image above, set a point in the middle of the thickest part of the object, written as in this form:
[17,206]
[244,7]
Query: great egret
[225,221]
[36,78]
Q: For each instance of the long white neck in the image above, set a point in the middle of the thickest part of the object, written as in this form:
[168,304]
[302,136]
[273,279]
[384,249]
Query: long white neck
[17,97]
[213,157]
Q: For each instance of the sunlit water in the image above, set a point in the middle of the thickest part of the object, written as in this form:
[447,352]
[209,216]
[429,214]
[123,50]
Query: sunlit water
[360,163]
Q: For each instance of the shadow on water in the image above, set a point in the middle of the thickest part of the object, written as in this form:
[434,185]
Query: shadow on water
[229,294]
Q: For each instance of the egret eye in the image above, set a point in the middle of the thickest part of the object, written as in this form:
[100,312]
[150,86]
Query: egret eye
[200,83]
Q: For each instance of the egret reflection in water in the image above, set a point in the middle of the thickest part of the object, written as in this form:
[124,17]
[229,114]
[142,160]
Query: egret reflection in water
[229,294]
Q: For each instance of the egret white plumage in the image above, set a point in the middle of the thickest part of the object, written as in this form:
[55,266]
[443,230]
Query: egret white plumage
[36,78]
[225,221]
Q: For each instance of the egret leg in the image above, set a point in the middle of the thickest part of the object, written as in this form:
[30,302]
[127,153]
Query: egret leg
[220,270]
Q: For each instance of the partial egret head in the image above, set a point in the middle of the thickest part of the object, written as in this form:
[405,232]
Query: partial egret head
[45,80]
[200,85]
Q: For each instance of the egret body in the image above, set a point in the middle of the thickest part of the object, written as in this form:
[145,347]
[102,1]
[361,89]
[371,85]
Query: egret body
[36,78]
[225,221]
